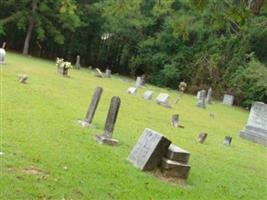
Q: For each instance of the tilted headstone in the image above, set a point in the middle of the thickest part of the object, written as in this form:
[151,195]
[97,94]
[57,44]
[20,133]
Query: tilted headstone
[108,73]
[227,140]
[256,128]
[228,100]
[149,150]
[175,120]
[209,96]
[92,108]
[22,78]
[175,163]
[132,90]
[106,137]
[201,99]
[148,95]
[202,137]
[163,99]
[77,64]
[98,73]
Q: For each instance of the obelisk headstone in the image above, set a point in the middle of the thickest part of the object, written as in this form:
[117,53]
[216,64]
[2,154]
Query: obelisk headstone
[209,96]
[106,137]
[92,108]
[201,99]
[78,65]
[256,128]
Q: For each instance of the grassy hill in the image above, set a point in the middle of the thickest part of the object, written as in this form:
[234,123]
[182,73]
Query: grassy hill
[47,155]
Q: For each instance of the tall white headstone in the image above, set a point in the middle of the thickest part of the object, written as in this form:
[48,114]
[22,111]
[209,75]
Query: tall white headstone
[2,55]
[256,128]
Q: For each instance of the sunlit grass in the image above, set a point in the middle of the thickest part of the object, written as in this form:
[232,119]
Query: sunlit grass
[39,130]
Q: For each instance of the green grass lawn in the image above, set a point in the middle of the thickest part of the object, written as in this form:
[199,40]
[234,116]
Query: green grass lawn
[47,155]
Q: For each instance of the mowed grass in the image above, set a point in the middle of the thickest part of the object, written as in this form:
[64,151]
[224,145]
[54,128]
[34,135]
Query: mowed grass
[47,155]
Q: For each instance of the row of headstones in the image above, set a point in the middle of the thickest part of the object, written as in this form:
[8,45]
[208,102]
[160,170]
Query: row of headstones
[162,98]
[202,98]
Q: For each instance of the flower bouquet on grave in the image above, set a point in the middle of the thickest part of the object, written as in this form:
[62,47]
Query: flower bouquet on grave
[63,67]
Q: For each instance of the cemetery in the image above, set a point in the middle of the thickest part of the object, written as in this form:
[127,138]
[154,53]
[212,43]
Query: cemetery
[133,100]
[122,142]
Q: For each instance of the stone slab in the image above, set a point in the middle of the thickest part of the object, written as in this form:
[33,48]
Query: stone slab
[132,90]
[170,168]
[149,150]
[178,154]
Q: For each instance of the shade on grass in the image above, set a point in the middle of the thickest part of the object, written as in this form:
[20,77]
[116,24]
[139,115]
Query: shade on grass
[47,155]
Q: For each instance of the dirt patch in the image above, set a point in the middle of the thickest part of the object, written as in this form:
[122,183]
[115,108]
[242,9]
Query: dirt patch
[29,171]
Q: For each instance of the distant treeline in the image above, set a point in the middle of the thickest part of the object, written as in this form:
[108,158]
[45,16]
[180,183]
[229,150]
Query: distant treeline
[207,43]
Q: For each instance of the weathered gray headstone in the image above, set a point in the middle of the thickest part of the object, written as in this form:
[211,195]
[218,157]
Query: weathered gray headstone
[227,140]
[138,82]
[148,95]
[202,137]
[201,99]
[256,128]
[132,90]
[106,137]
[178,154]
[175,163]
[174,169]
[77,64]
[22,78]
[175,120]
[209,96]
[228,100]
[108,73]
[163,99]
[149,150]
[92,108]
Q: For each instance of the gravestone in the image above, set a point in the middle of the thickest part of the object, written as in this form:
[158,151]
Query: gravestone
[198,95]
[22,78]
[175,163]
[78,65]
[228,100]
[139,82]
[163,99]
[2,55]
[148,95]
[201,99]
[256,128]
[92,108]
[202,137]
[106,137]
[227,140]
[99,74]
[209,96]
[149,150]
[108,73]
[175,120]
[132,90]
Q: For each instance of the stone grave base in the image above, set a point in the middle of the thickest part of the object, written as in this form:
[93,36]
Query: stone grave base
[170,168]
[164,105]
[102,139]
[255,134]
[85,124]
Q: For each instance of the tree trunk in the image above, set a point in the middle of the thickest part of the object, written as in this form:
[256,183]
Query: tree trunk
[30,28]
